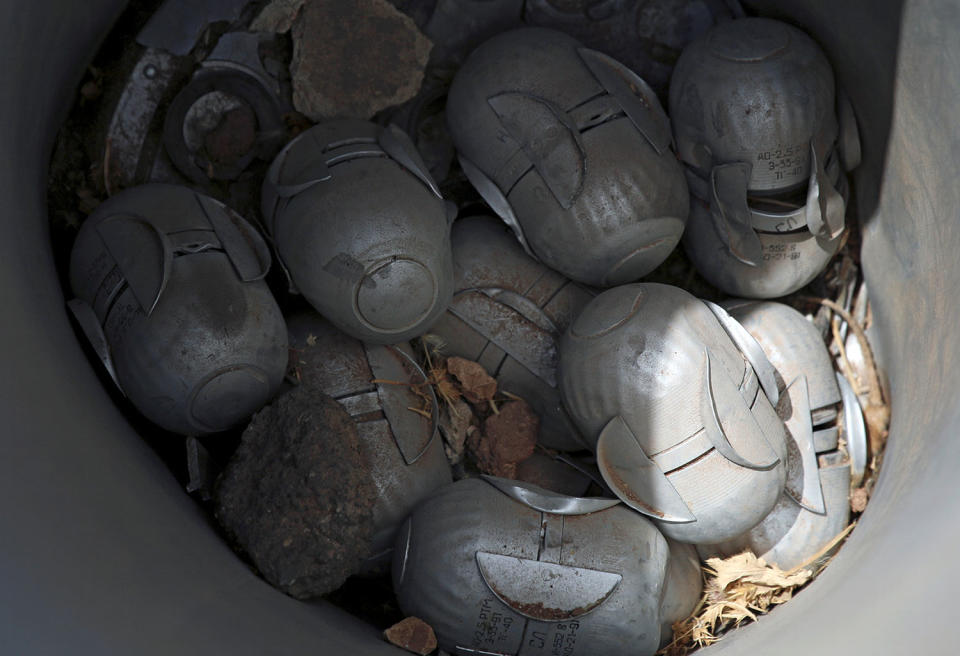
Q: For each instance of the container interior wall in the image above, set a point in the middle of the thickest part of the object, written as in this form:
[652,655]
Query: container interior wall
[102,553]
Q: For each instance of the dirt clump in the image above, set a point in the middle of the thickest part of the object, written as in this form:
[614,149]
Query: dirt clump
[297,496]
[509,437]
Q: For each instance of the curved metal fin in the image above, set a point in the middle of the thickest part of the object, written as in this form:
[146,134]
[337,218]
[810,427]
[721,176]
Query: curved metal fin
[275,190]
[495,318]
[549,140]
[854,431]
[730,425]
[849,144]
[825,206]
[491,193]
[547,501]
[545,591]
[93,331]
[751,350]
[635,96]
[636,479]
[142,253]
[731,214]
[402,150]
[801,429]
[391,363]
[246,249]
[527,308]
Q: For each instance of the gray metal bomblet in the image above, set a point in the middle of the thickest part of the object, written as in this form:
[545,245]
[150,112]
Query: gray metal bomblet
[361,229]
[814,507]
[508,312]
[765,139]
[499,567]
[683,423]
[170,292]
[375,383]
[573,151]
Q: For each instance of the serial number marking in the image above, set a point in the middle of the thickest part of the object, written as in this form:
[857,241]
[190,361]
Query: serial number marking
[780,252]
[783,163]
[492,626]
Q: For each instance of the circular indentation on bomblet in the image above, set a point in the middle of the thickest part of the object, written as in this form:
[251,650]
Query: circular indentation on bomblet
[642,260]
[229,396]
[396,295]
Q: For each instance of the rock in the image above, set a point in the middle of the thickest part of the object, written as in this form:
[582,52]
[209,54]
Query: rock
[476,385]
[297,496]
[354,59]
[552,474]
[278,16]
[508,438]
[412,634]
[455,422]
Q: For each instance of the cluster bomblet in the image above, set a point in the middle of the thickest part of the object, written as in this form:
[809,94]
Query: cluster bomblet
[682,422]
[361,229]
[814,506]
[765,142]
[170,292]
[573,151]
[502,567]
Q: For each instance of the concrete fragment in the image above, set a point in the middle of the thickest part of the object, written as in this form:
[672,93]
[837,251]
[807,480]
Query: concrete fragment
[412,634]
[354,59]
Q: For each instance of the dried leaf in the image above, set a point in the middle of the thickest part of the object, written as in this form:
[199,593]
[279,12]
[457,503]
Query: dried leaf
[447,389]
[475,383]
[736,589]
[746,568]
[456,420]
[858,500]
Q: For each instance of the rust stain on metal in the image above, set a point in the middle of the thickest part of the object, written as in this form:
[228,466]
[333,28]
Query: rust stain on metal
[539,611]
[623,488]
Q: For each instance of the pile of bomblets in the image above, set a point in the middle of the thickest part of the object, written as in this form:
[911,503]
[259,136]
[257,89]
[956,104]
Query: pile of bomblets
[715,427]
